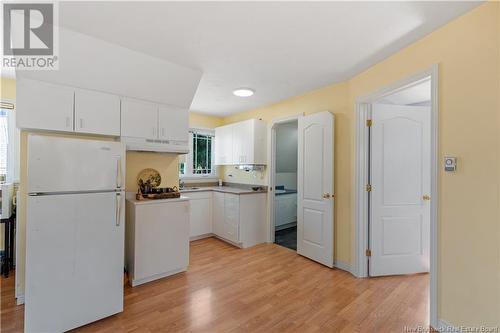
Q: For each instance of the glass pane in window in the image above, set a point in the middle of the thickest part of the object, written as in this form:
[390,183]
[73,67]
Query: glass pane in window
[202,154]
[4,141]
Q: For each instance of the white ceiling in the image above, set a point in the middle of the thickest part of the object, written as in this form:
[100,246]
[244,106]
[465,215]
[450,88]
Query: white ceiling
[279,49]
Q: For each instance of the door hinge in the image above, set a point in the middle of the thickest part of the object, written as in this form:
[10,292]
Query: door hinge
[368,187]
[369,123]
[368,252]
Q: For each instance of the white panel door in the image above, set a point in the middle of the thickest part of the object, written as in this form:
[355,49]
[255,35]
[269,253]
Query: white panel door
[97,113]
[173,123]
[315,187]
[74,260]
[44,106]
[58,164]
[400,178]
[139,119]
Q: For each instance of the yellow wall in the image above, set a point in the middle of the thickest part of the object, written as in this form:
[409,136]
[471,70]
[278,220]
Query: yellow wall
[467,51]
[166,164]
[198,120]
[7,88]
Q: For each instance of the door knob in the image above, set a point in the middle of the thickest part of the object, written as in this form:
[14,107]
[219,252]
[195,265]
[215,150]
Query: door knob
[426,197]
[326,196]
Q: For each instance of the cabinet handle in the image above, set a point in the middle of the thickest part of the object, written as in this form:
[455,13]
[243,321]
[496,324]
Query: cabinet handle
[68,120]
[81,122]
[119,172]
[118,208]
[154,132]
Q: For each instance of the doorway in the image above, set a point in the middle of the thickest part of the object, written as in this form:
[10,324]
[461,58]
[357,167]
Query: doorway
[399,187]
[285,188]
[396,181]
[314,209]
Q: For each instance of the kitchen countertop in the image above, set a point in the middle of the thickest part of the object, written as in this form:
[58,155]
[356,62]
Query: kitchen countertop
[285,192]
[223,189]
[132,199]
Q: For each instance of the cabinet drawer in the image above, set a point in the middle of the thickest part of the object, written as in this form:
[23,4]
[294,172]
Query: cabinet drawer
[198,195]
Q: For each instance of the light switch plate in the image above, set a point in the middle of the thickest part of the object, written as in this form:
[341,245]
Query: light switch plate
[450,164]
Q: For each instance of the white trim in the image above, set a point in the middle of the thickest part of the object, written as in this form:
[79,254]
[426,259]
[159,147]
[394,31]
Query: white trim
[445,327]
[271,157]
[345,266]
[361,175]
[20,299]
[135,283]
[195,238]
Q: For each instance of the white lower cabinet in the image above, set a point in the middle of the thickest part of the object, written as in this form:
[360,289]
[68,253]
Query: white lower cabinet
[157,239]
[200,216]
[240,219]
[285,211]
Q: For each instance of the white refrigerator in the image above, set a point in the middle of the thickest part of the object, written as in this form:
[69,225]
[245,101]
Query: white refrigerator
[74,232]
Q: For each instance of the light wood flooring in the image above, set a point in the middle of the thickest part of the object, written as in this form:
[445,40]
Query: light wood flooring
[266,288]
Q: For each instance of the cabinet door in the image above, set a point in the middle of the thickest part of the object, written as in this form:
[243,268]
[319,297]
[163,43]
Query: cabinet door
[97,113]
[44,106]
[200,217]
[243,142]
[173,123]
[161,238]
[224,145]
[232,217]
[139,119]
[218,214]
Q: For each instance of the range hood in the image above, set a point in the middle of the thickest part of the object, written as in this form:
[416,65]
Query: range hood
[156,145]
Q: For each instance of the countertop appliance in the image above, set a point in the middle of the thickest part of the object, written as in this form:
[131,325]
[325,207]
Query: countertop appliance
[74,232]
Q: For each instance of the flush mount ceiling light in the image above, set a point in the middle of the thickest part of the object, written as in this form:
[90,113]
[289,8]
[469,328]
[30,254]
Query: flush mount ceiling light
[243,92]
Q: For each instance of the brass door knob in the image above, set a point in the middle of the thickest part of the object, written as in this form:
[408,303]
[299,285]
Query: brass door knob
[426,197]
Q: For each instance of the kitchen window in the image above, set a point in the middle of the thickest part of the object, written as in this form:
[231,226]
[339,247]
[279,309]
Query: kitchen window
[199,162]
[9,143]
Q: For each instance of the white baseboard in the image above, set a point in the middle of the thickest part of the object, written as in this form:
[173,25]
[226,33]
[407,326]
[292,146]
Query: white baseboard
[345,266]
[135,283]
[445,327]
[20,300]
[201,237]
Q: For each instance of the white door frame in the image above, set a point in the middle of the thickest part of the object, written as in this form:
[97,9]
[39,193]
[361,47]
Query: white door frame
[271,152]
[363,113]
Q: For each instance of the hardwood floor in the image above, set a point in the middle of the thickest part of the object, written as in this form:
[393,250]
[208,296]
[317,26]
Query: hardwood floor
[267,288]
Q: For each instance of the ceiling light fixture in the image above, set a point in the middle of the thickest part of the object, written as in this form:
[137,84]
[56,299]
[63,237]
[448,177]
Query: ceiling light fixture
[243,92]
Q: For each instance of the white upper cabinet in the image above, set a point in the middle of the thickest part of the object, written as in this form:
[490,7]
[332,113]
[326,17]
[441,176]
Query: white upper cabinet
[97,113]
[224,145]
[139,119]
[44,106]
[173,123]
[241,143]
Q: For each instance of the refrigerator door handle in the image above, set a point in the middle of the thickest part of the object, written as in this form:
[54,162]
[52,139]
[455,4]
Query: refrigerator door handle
[118,208]
[119,172]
